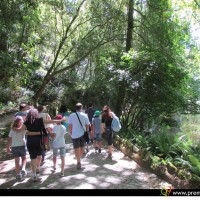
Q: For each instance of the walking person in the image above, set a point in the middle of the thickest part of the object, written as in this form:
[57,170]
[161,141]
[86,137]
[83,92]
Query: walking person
[107,117]
[34,125]
[48,127]
[23,111]
[64,112]
[90,112]
[97,131]
[78,124]
[59,132]
[17,145]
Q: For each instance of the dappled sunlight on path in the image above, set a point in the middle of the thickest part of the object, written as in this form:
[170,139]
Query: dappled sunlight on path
[97,172]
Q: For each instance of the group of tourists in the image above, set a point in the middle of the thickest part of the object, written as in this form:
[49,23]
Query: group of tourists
[84,127]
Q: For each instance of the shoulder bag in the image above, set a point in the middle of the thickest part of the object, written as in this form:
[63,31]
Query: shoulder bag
[86,135]
[44,140]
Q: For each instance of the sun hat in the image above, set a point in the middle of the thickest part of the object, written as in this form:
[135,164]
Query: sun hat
[97,113]
[58,117]
[19,117]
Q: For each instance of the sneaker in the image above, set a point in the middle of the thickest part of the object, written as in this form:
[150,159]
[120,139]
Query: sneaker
[99,150]
[78,165]
[62,174]
[54,168]
[19,177]
[86,151]
[24,173]
[34,178]
[109,156]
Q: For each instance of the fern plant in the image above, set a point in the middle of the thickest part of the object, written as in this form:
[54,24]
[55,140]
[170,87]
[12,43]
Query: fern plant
[161,143]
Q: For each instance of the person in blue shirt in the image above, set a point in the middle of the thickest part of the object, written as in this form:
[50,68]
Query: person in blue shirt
[22,111]
[96,130]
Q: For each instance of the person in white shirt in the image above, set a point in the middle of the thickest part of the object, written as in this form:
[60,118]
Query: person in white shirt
[59,132]
[78,124]
[17,145]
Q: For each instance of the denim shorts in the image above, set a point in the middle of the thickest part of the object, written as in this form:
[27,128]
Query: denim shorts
[97,137]
[19,151]
[62,151]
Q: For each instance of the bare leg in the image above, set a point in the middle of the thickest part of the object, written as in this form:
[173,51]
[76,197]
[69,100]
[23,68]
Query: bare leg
[17,165]
[81,151]
[33,165]
[95,143]
[77,154]
[110,150]
[38,162]
[62,163]
[54,162]
[24,163]
[91,135]
[99,144]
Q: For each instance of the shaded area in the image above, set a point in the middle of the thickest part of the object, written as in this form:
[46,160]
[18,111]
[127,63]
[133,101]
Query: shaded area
[98,172]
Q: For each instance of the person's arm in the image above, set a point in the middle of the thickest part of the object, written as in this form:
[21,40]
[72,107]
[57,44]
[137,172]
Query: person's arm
[8,149]
[103,127]
[49,130]
[54,121]
[53,135]
[48,117]
[70,129]
[33,133]
[21,128]
[92,128]
[87,127]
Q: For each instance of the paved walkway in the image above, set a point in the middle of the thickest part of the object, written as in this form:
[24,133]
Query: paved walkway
[97,172]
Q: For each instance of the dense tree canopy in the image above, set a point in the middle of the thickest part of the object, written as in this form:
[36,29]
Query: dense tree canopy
[141,57]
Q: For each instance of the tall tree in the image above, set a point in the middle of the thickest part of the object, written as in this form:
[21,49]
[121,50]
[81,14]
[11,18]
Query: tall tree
[80,33]
[129,26]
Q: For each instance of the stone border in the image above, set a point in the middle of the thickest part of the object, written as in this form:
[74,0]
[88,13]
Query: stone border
[144,158]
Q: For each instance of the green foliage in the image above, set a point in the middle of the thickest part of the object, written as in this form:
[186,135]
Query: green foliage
[192,163]
[18,19]
[4,133]
[161,143]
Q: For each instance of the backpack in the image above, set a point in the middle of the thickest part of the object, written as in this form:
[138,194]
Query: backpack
[116,126]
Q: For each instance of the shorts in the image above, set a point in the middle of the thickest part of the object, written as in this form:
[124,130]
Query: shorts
[97,137]
[19,151]
[109,135]
[33,145]
[78,142]
[62,151]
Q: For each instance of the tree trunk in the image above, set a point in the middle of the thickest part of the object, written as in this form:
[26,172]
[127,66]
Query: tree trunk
[42,88]
[129,26]
[122,89]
